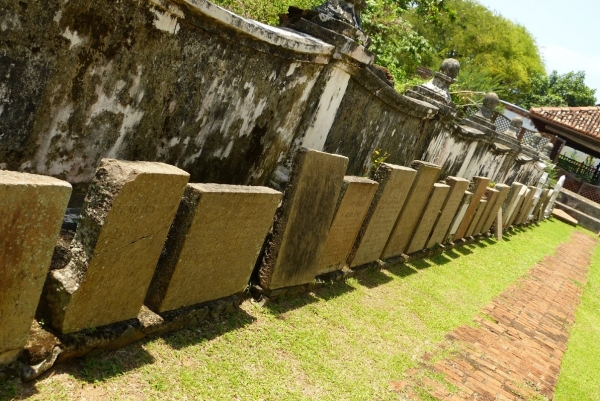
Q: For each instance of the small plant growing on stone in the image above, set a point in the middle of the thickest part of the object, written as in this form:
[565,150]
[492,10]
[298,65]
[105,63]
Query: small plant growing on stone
[377,158]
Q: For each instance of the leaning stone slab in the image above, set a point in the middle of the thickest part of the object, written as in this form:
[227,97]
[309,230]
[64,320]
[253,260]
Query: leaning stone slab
[394,185]
[511,202]
[352,207]
[430,216]
[213,244]
[479,186]
[540,204]
[126,216]
[420,191]
[491,194]
[521,198]
[460,215]
[302,221]
[31,214]
[458,186]
[497,205]
[478,214]
[526,208]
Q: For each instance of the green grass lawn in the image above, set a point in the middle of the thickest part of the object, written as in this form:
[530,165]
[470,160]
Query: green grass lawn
[344,342]
[579,378]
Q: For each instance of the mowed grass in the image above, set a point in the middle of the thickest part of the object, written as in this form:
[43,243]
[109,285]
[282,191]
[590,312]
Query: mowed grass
[344,342]
[579,378]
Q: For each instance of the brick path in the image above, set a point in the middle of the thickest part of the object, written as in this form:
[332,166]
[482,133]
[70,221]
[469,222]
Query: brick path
[516,354]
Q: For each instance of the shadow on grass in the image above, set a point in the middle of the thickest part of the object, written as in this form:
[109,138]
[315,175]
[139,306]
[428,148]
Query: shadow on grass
[419,264]
[441,259]
[373,278]
[402,270]
[333,291]
[463,250]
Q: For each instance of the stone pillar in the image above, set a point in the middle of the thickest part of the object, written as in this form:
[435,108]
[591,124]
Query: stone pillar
[303,220]
[127,213]
[503,191]
[213,244]
[352,207]
[394,183]
[458,186]
[429,218]
[420,191]
[557,188]
[31,214]
[479,186]
[462,211]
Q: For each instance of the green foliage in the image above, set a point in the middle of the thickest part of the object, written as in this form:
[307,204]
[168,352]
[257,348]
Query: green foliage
[378,157]
[558,90]
[266,11]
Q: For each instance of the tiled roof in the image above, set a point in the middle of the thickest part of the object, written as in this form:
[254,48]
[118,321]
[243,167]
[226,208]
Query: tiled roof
[585,120]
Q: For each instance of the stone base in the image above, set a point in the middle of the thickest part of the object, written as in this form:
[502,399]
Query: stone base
[45,347]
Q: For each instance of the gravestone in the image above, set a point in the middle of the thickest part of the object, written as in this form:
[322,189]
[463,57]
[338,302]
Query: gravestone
[412,211]
[546,204]
[31,214]
[303,220]
[460,215]
[478,214]
[537,210]
[126,216]
[213,244]
[518,204]
[458,186]
[479,186]
[526,208]
[511,201]
[394,185]
[500,198]
[352,207]
[491,194]
[430,216]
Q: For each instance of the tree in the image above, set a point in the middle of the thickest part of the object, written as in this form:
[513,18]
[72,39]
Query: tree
[558,90]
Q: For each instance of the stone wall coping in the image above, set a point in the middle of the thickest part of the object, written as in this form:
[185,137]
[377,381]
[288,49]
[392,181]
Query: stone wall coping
[280,37]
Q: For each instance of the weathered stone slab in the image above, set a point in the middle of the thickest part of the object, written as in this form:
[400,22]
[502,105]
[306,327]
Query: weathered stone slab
[458,186]
[479,186]
[520,199]
[460,215]
[540,204]
[500,198]
[508,207]
[547,201]
[491,194]
[429,217]
[31,214]
[478,214]
[412,211]
[353,204]
[213,244]
[526,207]
[127,213]
[564,217]
[303,220]
[394,185]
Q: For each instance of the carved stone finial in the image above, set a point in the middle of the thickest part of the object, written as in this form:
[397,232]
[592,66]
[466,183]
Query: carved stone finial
[548,148]
[450,67]
[534,141]
[344,10]
[515,127]
[490,102]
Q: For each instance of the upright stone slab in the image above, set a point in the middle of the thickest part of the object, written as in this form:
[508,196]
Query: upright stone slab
[31,214]
[526,207]
[302,221]
[479,186]
[213,244]
[430,216]
[510,203]
[546,203]
[394,186]
[520,199]
[500,198]
[352,207]
[478,214]
[537,210]
[460,215]
[412,211]
[125,219]
[458,186]
[491,194]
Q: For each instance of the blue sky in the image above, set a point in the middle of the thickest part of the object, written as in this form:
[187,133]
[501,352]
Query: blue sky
[567,32]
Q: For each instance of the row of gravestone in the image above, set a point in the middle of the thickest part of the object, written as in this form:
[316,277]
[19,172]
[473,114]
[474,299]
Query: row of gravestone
[147,237]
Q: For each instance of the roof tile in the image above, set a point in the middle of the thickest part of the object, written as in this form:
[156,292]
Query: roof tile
[582,119]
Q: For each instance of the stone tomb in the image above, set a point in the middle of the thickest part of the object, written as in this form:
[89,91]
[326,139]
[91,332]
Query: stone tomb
[352,207]
[460,215]
[126,216]
[303,220]
[31,214]
[213,244]
[458,186]
[394,185]
[480,185]
[430,216]
[420,191]
[497,205]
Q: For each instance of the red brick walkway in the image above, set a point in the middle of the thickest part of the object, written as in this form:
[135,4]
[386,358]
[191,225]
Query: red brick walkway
[516,354]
